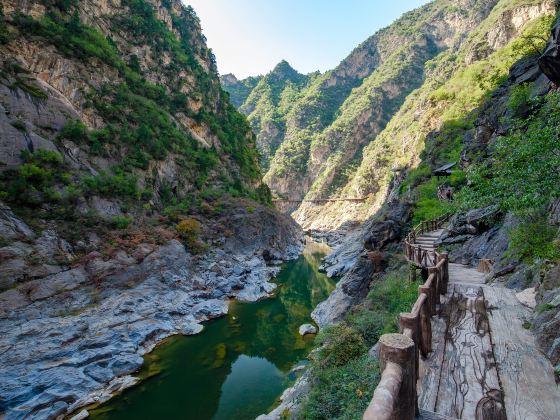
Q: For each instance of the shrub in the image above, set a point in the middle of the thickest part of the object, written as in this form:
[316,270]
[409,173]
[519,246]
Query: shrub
[189,230]
[519,97]
[341,343]
[120,185]
[120,222]
[369,324]
[342,392]
[534,239]
[41,178]
[525,168]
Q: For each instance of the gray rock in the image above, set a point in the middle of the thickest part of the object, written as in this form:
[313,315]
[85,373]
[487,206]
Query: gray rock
[52,249]
[480,220]
[125,364]
[99,373]
[12,227]
[307,329]
[81,415]
[549,61]
[523,278]
[351,289]
[104,208]
[16,249]
[58,283]
[528,297]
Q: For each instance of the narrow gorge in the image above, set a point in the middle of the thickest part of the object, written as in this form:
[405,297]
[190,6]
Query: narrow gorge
[177,243]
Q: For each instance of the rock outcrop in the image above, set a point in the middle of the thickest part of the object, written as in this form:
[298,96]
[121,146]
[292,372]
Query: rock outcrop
[131,201]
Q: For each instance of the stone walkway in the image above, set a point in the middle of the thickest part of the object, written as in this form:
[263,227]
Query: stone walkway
[485,364]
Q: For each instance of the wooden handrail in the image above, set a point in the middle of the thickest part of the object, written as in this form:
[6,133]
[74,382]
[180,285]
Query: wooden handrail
[395,397]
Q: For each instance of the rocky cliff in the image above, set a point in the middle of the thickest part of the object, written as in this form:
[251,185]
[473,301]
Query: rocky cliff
[354,130]
[131,202]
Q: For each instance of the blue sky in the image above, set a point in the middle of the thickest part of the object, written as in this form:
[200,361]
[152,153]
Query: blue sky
[249,37]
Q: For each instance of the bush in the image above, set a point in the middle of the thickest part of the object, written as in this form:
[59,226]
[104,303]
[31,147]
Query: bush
[369,324]
[42,178]
[342,392]
[189,230]
[341,343]
[525,170]
[534,239]
[120,222]
[519,97]
[120,185]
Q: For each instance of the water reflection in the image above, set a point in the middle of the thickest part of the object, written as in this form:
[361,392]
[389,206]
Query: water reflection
[238,366]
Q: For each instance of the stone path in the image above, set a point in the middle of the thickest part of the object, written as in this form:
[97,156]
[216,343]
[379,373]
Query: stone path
[484,363]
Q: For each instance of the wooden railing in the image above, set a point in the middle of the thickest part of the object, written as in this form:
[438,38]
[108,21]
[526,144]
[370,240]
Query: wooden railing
[395,397]
[415,253]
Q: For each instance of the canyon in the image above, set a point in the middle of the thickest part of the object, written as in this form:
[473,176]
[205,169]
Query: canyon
[142,195]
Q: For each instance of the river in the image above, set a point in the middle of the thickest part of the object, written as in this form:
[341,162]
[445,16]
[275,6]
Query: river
[240,364]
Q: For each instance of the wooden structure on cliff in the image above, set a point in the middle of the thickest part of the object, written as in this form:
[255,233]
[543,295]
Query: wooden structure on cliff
[474,360]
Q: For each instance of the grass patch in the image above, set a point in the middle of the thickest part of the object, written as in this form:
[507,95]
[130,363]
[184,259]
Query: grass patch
[344,376]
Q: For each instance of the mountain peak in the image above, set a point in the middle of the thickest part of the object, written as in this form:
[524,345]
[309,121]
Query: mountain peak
[229,78]
[285,72]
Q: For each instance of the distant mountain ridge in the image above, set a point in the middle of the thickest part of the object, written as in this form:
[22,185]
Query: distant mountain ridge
[266,101]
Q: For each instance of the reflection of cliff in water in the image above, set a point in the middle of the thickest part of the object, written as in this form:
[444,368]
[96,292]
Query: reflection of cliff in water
[237,367]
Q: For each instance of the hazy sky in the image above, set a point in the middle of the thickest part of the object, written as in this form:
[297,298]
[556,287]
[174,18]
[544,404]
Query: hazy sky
[249,37]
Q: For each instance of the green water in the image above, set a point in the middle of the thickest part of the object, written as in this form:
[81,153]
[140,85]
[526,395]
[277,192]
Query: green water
[239,365]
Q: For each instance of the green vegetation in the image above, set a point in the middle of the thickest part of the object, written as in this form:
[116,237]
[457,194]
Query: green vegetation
[42,178]
[239,90]
[4,33]
[519,97]
[121,185]
[120,222]
[534,239]
[140,115]
[524,172]
[189,230]
[344,376]
[459,100]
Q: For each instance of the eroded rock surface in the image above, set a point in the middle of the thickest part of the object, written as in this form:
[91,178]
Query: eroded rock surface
[73,337]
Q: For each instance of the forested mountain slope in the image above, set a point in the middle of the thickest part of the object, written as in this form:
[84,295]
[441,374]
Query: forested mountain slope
[268,104]
[351,131]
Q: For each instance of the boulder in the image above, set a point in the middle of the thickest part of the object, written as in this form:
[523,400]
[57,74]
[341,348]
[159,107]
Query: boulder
[528,297]
[307,329]
[480,220]
[350,290]
[58,283]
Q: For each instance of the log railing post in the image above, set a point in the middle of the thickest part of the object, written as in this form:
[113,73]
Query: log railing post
[426,290]
[436,283]
[410,326]
[393,400]
[444,271]
[425,322]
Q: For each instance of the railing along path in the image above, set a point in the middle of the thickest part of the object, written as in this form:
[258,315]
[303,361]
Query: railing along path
[395,397]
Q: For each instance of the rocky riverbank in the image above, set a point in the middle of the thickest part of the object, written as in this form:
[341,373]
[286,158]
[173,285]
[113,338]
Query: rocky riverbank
[73,338]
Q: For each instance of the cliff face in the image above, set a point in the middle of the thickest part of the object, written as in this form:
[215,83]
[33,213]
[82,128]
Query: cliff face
[352,130]
[131,202]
